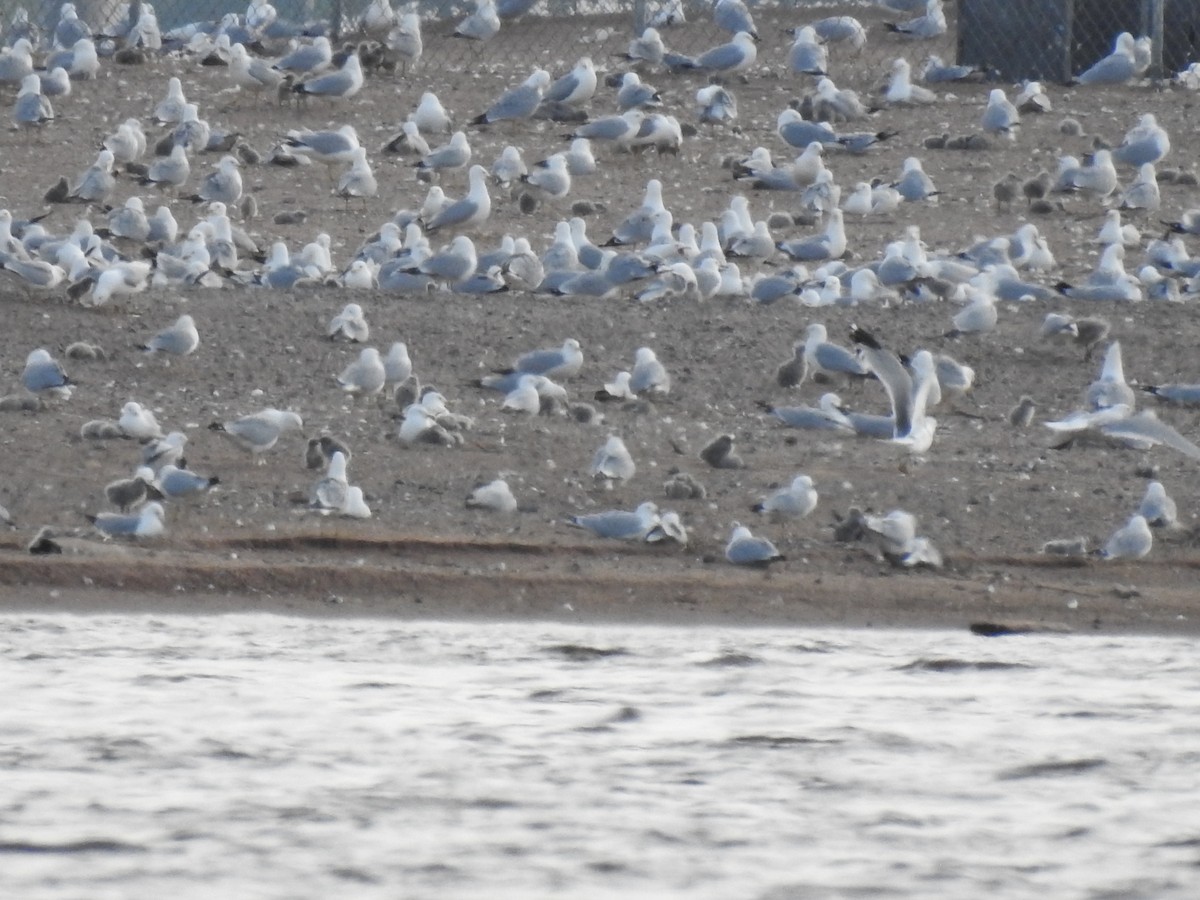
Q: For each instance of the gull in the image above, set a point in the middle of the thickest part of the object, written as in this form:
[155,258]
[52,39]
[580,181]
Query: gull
[830,244]
[715,104]
[580,160]
[260,431]
[647,48]
[169,171]
[129,221]
[612,462]
[350,325]
[1000,117]
[453,263]
[496,496]
[832,104]
[953,378]
[328,494]
[524,398]
[32,109]
[452,155]
[564,362]
[365,376]
[96,184]
[1032,98]
[420,426]
[407,142]
[744,549]
[181,339]
[649,375]
[331,148]
[519,102]
[80,60]
[70,27]
[617,389]
[508,167]
[576,87]
[908,395]
[1110,388]
[1177,394]
[793,501]
[405,41]
[935,71]
[170,108]
[1121,425]
[1133,540]
[481,25]
[807,55]
[901,91]
[720,454]
[735,56]
[914,184]
[44,374]
[127,143]
[978,316]
[619,524]
[1146,142]
[929,25]
[1157,508]
[307,58]
[1143,193]
[826,416]
[340,85]
[164,451]
[1114,232]
[139,423]
[223,185]
[670,527]
[146,522]
[16,61]
[430,116]
[620,130]
[358,180]
[471,209]
[1099,178]
[839,29]
[551,176]
[633,94]
[733,16]
[1119,67]
[828,361]
[252,73]
[176,483]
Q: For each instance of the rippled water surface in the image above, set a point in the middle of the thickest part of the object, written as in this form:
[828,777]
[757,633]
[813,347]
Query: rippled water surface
[264,757]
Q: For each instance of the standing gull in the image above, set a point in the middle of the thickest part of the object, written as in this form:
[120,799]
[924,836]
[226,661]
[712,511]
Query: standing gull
[181,339]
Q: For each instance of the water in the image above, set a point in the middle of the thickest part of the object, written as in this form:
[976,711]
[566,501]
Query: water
[268,757]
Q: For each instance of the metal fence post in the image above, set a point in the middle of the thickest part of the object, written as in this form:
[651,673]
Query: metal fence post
[639,16]
[335,24]
[1154,11]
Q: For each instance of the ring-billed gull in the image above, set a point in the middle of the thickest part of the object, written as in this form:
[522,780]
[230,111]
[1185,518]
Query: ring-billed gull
[1118,67]
[472,209]
[612,462]
[180,339]
[807,55]
[792,501]
[44,374]
[646,48]
[32,109]
[716,104]
[495,495]
[931,24]
[331,148]
[139,423]
[1146,142]
[649,374]
[307,57]
[430,116]
[338,85]
[576,87]
[632,94]
[1157,508]
[405,41]
[562,362]
[175,483]
[454,262]
[365,376]
[419,426]
[1000,117]
[519,102]
[739,54]
[146,522]
[733,16]
[1178,394]
[250,72]
[1110,388]
[481,25]
[744,549]
[720,453]
[826,416]
[618,524]
[1133,540]
[908,394]
[169,171]
[223,185]
[349,325]
[901,91]
[551,176]
[827,361]
[165,451]
[260,431]
[328,494]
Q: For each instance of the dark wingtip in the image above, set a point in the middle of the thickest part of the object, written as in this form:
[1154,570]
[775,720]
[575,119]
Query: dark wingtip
[861,336]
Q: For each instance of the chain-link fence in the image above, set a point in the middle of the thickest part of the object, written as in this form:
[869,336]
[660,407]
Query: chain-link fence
[1009,39]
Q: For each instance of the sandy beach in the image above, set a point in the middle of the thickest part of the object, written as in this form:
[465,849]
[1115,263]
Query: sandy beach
[988,495]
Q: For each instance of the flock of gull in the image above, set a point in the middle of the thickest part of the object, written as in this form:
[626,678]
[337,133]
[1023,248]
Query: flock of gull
[649,257]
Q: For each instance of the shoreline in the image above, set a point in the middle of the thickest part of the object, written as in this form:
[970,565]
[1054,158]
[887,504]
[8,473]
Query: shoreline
[406,577]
